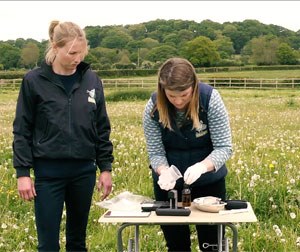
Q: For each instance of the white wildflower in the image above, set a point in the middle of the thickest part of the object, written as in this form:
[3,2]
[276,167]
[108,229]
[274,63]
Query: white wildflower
[298,242]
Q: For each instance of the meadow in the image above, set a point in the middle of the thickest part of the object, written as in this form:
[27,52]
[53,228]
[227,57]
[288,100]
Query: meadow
[264,170]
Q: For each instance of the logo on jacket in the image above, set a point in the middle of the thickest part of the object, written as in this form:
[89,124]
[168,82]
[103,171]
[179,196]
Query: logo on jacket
[202,130]
[92,96]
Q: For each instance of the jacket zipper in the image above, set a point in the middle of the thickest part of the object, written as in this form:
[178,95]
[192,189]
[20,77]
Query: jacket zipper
[70,126]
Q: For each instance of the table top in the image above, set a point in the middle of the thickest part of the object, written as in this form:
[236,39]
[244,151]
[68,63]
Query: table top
[196,217]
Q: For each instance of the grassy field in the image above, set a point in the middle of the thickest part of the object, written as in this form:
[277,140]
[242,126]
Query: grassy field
[263,170]
[255,74]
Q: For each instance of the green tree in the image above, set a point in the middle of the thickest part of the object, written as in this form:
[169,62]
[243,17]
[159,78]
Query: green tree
[133,45]
[172,39]
[224,46]
[237,36]
[264,50]
[42,48]
[139,56]
[294,40]
[162,53]
[185,35]
[91,59]
[208,28]
[286,55]
[20,43]
[137,31]
[155,35]
[149,43]
[116,38]
[201,51]
[93,35]
[30,55]
[123,57]
[104,55]
[9,56]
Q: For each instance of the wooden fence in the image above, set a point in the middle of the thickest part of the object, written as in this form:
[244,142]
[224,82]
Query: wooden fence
[245,83]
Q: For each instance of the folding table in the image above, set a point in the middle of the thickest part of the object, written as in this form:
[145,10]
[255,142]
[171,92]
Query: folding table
[196,217]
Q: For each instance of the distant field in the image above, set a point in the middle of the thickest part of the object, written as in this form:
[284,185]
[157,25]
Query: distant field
[256,74]
[271,74]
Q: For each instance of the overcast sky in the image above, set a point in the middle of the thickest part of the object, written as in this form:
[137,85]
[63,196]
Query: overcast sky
[31,19]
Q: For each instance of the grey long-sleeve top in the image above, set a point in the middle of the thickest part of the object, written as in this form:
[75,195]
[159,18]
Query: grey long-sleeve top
[219,128]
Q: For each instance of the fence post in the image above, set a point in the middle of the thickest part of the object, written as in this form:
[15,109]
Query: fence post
[260,82]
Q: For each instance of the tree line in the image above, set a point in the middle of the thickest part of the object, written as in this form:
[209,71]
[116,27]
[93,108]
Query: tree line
[147,45]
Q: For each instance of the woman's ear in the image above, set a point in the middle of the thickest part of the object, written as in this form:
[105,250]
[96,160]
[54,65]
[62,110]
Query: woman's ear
[54,47]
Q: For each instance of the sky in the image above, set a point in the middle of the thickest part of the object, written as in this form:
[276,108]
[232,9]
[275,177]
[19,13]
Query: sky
[31,19]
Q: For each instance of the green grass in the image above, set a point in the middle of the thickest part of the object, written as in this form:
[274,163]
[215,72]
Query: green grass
[128,94]
[264,170]
[281,74]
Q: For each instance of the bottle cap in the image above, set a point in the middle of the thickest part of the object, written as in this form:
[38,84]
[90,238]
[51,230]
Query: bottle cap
[185,186]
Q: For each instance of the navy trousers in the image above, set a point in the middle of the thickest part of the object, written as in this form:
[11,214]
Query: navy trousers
[178,236]
[52,193]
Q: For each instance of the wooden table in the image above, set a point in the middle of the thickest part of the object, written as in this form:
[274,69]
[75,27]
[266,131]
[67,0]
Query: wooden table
[196,217]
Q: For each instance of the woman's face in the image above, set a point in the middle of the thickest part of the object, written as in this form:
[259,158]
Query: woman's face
[69,56]
[180,99]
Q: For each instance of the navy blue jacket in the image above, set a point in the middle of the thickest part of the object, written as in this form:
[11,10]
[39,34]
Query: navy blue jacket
[186,146]
[51,124]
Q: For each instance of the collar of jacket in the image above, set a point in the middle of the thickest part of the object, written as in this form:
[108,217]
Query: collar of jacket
[46,70]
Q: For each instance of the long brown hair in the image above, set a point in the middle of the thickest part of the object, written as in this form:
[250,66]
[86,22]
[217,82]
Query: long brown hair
[61,33]
[177,74]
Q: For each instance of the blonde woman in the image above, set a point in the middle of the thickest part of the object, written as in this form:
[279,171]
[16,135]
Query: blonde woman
[186,125]
[61,130]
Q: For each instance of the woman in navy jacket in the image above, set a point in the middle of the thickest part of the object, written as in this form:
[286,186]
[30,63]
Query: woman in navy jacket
[61,130]
[186,125]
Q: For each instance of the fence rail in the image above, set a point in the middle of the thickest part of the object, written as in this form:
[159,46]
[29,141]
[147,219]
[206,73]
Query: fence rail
[258,83]
[245,83]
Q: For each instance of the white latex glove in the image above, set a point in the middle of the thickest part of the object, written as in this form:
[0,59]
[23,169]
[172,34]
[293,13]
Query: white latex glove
[167,178]
[194,172]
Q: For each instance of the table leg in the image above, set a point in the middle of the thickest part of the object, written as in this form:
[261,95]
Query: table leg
[119,238]
[136,239]
[234,237]
[220,238]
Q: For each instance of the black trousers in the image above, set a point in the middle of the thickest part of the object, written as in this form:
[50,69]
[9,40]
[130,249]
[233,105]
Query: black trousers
[52,193]
[178,236]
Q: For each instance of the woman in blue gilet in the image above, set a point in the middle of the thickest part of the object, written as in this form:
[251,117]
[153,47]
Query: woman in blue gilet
[186,125]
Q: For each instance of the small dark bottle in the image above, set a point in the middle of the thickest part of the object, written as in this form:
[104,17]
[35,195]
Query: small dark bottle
[186,196]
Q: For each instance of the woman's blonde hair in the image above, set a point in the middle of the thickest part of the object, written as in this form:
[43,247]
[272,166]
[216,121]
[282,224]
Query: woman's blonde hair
[177,74]
[61,33]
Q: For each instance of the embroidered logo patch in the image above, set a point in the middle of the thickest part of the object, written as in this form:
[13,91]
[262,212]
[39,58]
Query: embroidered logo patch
[202,130]
[92,96]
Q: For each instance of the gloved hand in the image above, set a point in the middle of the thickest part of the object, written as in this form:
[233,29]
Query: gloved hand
[167,178]
[194,172]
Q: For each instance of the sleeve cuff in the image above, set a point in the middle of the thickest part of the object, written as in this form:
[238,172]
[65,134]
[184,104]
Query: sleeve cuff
[23,172]
[105,167]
